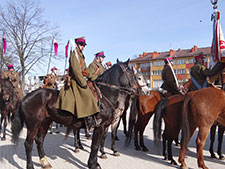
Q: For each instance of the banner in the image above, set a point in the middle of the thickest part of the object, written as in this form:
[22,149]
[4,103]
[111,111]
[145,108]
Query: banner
[218,43]
[4,44]
[55,47]
[66,49]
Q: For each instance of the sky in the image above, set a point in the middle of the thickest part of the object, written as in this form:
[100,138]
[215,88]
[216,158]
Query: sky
[126,28]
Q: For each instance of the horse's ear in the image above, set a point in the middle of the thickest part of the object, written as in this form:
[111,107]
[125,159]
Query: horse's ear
[117,60]
[127,62]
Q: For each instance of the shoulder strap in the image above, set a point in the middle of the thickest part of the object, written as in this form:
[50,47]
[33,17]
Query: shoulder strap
[197,84]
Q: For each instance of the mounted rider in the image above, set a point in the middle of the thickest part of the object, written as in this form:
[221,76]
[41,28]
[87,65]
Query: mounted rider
[168,77]
[108,65]
[13,76]
[78,98]
[50,79]
[96,68]
[199,72]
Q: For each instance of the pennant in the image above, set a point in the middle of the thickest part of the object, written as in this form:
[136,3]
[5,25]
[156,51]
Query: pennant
[66,49]
[55,47]
[4,44]
[218,43]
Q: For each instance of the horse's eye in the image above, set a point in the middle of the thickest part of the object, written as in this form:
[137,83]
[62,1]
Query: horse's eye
[139,78]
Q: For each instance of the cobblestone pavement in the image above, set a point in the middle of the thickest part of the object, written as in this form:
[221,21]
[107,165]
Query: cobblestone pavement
[61,155]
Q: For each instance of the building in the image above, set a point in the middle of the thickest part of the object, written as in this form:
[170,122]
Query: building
[151,64]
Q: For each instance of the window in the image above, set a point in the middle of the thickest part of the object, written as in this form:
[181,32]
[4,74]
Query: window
[179,61]
[180,71]
[158,63]
[156,72]
[191,60]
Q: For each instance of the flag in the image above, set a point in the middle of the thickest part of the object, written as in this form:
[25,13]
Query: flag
[218,43]
[4,44]
[55,47]
[66,49]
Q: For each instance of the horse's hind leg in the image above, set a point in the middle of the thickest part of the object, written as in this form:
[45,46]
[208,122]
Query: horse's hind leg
[200,141]
[4,128]
[40,141]
[212,139]
[77,142]
[220,141]
[164,147]
[103,155]
[170,154]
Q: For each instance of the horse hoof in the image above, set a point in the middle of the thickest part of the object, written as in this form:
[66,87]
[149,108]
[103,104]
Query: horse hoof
[138,148]
[213,156]
[50,132]
[98,166]
[222,157]
[47,166]
[173,162]
[183,167]
[116,153]
[57,131]
[77,150]
[144,149]
[3,138]
[165,158]
[117,139]
[103,156]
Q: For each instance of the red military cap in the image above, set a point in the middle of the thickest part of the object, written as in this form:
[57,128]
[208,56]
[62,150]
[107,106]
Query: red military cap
[54,68]
[67,69]
[199,55]
[168,59]
[108,63]
[100,54]
[10,66]
[81,40]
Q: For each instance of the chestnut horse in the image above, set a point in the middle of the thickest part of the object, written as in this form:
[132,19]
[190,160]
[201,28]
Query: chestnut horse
[37,110]
[200,109]
[170,110]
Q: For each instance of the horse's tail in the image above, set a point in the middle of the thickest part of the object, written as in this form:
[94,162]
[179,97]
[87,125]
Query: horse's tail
[157,122]
[17,124]
[132,119]
[185,122]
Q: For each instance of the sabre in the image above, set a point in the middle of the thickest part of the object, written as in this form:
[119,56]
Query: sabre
[173,72]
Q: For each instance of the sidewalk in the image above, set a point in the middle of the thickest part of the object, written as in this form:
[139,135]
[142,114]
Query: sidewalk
[61,155]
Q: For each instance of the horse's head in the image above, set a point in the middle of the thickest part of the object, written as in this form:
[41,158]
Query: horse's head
[141,81]
[120,75]
[7,89]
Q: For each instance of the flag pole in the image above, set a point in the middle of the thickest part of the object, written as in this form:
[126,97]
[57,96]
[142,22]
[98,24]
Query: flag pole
[49,62]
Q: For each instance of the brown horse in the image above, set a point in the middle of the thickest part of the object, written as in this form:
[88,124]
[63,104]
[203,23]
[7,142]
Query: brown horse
[37,110]
[141,111]
[200,109]
[9,101]
[170,110]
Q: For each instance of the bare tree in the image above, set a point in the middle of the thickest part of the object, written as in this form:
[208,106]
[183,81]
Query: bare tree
[29,37]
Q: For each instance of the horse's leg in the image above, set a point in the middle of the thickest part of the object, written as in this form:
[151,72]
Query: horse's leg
[57,128]
[87,134]
[103,155]
[170,154]
[164,145]
[116,129]
[136,131]
[4,126]
[40,141]
[220,141]
[124,119]
[31,134]
[212,139]
[96,140]
[144,148]
[200,141]
[113,134]
[77,142]
[183,149]
[50,128]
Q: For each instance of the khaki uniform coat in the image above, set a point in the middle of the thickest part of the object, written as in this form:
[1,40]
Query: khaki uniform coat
[169,82]
[95,69]
[76,99]
[14,78]
[199,72]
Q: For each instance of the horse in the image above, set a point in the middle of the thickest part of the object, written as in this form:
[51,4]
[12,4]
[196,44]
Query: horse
[142,109]
[170,110]
[221,129]
[9,101]
[199,111]
[37,110]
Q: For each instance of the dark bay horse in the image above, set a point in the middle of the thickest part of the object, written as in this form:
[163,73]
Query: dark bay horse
[200,109]
[170,110]
[142,109]
[9,101]
[37,110]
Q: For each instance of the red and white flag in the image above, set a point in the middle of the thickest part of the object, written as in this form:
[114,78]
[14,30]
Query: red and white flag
[218,43]
[55,47]
[4,44]
[66,49]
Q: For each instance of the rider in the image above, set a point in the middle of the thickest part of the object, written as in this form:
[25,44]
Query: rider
[108,65]
[13,76]
[169,82]
[96,68]
[199,72]
[50,79]
[78,98]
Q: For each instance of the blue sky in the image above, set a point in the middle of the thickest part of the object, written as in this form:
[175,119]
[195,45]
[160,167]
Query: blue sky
[126,28]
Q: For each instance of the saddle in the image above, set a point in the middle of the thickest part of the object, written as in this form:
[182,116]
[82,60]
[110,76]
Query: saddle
[95,90]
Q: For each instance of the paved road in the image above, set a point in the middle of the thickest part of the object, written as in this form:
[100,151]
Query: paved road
[61,155]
